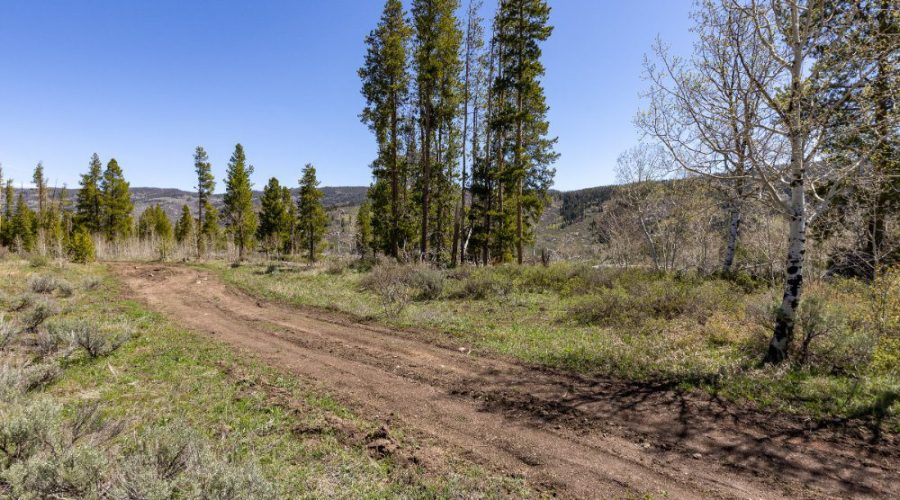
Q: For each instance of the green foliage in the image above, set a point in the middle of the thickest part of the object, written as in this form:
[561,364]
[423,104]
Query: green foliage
[312,219]
[22,226]
[385,79]
[81,246]
[693,330]
[88,204]
[271,231]
[154,223]
[184,227]
[207,216]
[240,218]
[115,203]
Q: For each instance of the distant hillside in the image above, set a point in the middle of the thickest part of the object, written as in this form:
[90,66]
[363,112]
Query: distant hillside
[574,204]
[172,199]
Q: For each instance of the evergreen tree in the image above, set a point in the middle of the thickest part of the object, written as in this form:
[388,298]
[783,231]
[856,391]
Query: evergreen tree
[385,79]
[2,215]
[521,25]
[22,226]
[81,246]
[40,183]
[363,241]
[116,206]
[154,223]
[6,229]
[289,223]
[312,219]
[184,228]
[270,231]
[438,41]
[54,230]
[206,184]
[239,215]
[88,203]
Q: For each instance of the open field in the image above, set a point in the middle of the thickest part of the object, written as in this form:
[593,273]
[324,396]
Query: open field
[575,435]
[687,332]
[239,427]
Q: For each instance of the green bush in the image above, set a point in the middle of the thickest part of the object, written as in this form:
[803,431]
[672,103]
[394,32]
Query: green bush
[484,284]
[420,281]
[81,247]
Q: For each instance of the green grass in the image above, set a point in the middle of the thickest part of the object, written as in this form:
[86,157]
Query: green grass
[244,409]
[698,333]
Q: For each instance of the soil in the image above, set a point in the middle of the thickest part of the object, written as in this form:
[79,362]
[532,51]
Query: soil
[565,434]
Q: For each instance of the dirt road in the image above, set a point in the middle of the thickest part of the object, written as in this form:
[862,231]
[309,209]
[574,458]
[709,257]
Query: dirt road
[574,436]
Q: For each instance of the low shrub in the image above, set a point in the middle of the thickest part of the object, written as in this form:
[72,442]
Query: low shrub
[42,284]
[8,332]
[419,281]
[484,284]
[174,462]
[38,261]
[91,283]
[92,340]
[64,288]
[337,267]
[42,311]
[21,302]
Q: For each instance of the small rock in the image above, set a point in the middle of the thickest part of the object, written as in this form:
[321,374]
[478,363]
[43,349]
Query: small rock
[462,350]
[697,456]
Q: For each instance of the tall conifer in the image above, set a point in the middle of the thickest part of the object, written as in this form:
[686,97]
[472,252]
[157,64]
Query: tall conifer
[240,218]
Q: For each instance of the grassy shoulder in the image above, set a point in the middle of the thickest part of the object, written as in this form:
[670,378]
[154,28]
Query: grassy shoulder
[230,426]
[690,331]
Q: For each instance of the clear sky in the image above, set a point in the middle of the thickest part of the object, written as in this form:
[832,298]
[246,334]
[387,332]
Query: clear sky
[147,81]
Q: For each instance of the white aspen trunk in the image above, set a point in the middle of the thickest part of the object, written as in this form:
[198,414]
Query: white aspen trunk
[793,278]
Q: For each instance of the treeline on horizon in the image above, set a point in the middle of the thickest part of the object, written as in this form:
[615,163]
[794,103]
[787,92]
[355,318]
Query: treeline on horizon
[102,211]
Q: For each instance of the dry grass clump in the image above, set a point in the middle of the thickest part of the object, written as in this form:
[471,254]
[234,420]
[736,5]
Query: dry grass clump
[37,315]
[396,285]
[175,462]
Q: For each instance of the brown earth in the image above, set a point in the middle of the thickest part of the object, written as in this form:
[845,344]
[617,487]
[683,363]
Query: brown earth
[567,435]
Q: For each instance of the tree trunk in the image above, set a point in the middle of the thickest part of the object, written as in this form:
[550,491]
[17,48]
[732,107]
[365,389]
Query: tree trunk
[793,278]
[426,184]
[395,183]
[734,228]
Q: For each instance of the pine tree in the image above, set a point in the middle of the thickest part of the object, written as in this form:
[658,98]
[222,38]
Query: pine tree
[116,206]
[312,220]
[154,223]
[184,227]
[438,39]
[23,226]
[206,184]
[521,26]
[289,223]
[363,241]
[88,203]
[6,230]
[385,79]
[239,215]
[81,246]
[3,217]
[40,183]
[270,231]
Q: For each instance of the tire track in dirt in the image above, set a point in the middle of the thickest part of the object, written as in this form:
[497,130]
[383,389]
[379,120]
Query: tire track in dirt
[578,436]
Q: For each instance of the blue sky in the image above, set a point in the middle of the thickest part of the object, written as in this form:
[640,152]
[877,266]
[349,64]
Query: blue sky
[147,81]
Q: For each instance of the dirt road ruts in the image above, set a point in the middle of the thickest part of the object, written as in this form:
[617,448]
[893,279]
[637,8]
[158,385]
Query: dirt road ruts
[576,436]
